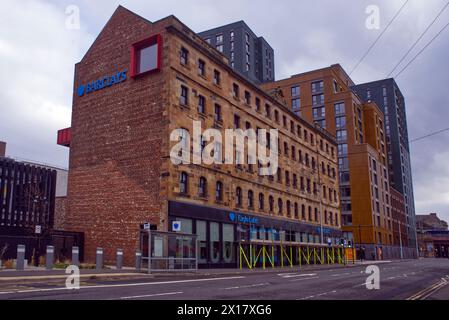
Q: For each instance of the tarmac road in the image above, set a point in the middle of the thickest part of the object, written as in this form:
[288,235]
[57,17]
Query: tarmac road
[399,280]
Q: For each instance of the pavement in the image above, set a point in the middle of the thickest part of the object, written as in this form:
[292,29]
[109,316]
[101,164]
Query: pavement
[398,280]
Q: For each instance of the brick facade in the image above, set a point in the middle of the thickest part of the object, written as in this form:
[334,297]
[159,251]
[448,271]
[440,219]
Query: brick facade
[120,170]
[399,217]
[60,213]
[2,149]
[117,141]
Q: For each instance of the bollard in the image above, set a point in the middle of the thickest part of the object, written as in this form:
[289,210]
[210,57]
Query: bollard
[119,259]
[138,260]
[75,256]
[99,259]
[49,259]
[20,262]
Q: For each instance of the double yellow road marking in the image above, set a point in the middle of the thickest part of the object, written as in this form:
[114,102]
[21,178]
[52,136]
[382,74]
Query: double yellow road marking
[424,294]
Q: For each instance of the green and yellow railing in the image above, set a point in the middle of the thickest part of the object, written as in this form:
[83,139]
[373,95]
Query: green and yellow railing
[290,255]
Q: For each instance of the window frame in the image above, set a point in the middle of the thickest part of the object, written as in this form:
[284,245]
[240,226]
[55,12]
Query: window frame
[202,187]
[140,45]
[183,181]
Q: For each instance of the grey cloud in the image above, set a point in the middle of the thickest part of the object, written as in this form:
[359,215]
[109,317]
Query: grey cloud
[305,34]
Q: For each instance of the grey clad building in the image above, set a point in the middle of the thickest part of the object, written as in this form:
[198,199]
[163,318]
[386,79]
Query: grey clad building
[248,54]
[387,94]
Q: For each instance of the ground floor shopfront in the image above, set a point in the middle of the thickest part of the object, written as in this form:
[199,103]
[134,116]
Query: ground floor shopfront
[434,244]
[227,239]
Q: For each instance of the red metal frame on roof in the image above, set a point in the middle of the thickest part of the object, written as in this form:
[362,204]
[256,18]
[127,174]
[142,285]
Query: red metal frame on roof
[65,137]
[156,39]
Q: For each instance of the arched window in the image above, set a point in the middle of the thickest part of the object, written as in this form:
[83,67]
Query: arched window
[289,208]
[287,178]
[202,187]
[310,213]
[336,219]
[325,216]
[238,197]
[316,215]
[271,203]
[183,180]
[279,175]
[250,199]
[296,211]
[303,212]
[280,206]
[261,201]
[331,217]
[219,191]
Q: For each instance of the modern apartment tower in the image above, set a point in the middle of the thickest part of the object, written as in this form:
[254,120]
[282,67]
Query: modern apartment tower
[324,97]
[387,95]
[248,54]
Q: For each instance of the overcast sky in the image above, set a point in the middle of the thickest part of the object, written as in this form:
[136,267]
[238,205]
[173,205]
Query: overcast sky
[38,53]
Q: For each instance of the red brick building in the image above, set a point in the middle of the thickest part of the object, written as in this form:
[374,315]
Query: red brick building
[2,149]
[399,218]
[137,83]
[433,236]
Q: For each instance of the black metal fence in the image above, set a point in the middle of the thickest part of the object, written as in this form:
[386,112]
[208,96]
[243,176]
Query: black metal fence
[36,245]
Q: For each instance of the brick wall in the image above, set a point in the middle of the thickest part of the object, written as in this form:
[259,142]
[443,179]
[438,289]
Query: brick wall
[115,159]
[60,213]
[2,149]
[120,172]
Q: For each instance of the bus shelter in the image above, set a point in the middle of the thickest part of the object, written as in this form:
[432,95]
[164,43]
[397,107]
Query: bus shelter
[169,251]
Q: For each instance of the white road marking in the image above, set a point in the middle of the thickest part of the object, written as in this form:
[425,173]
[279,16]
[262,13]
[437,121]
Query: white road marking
[318,295]
[403,276]
[294,275]
[121,285]
[359,285]
[304,279]
[326,293]
[151,295]
[248,286]
[340,274]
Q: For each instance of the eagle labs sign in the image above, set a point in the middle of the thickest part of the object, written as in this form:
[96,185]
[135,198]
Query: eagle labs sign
[102,83]
[234,217]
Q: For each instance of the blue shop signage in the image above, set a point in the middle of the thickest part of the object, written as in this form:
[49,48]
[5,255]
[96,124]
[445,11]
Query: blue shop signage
[326,231]
[240,218]
[102,83]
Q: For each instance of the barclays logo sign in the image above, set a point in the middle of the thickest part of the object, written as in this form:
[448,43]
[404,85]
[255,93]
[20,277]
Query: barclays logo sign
[242,218]
[102,83]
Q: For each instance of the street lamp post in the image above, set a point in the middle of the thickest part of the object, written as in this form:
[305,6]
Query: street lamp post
[321,221]
[400,239]
[360,234]
[320,187]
